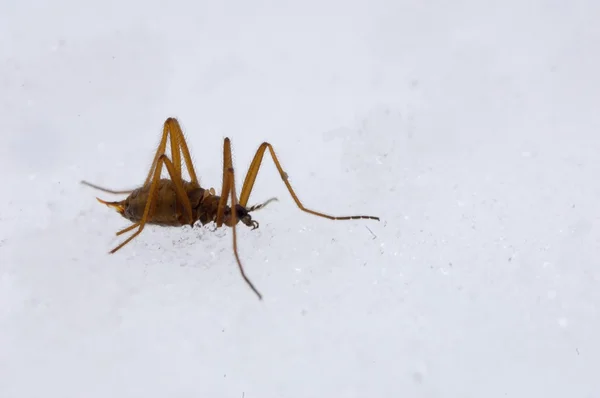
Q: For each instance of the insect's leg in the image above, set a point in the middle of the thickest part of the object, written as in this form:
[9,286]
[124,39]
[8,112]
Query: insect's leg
[148,210]
[231,183]
[227,164]
[174,131]
[253,172]
[168,127]
[129,228]
[89,184]
[160,150]
[180,191]
[181,144]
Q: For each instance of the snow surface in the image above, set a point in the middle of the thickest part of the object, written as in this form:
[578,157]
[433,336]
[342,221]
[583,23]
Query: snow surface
[471,128]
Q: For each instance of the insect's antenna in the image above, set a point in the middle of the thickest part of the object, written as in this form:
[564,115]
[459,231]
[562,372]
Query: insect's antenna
[260,206]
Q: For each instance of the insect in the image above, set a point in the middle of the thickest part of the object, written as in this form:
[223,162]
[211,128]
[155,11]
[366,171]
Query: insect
[176,202]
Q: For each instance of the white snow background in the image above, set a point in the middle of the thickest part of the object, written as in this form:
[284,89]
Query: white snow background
[471,128]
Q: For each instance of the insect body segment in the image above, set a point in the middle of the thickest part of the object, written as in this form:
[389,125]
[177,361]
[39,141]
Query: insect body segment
[176,202]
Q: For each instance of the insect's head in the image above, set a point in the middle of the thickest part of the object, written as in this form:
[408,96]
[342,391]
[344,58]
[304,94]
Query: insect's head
[243,213]
[244,216]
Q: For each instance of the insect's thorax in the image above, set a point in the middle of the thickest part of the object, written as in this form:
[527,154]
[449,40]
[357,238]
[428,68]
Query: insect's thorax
[204,205]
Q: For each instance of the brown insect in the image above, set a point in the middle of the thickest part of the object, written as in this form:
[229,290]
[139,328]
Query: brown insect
[176,202]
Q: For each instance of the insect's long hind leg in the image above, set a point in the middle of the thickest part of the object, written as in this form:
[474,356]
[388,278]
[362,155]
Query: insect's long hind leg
[181,145]
[172,130]
[179,189]
[229,190]
[160,150]
[253,172]
[152,197]
[148,209]
[129,228]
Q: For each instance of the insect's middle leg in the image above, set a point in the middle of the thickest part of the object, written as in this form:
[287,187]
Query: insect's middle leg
[227,164]
[234,222]
[229,191]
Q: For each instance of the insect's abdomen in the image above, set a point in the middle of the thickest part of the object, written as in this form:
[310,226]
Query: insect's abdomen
[167,209]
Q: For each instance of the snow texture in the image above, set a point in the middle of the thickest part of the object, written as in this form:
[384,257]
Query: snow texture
[471,128]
